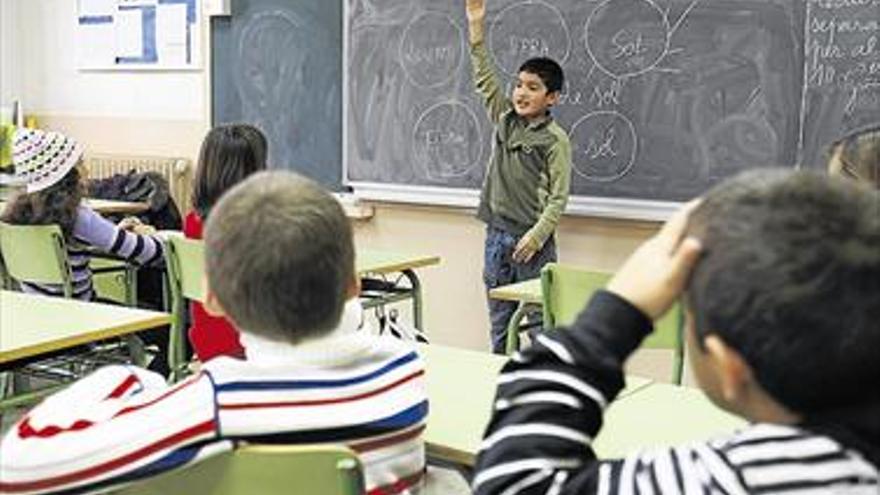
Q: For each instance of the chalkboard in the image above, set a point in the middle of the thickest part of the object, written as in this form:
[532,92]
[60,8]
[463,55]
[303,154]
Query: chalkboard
[842,71]
[277,64]
[664,98]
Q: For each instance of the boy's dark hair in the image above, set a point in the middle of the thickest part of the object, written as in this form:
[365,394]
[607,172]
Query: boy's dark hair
[279,256]
[547,69]
[790,278]
[859,155]
[56,204]
[229,154]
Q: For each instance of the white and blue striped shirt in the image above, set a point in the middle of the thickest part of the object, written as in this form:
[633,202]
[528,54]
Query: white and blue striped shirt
[123,423]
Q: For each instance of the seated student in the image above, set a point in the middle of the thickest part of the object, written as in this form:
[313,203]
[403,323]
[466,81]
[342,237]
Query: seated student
[229,154]
[49,165]
[280,264]
[781,275]
[857,156]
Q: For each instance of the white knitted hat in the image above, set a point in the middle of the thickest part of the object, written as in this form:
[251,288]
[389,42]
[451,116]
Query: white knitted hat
[42,158]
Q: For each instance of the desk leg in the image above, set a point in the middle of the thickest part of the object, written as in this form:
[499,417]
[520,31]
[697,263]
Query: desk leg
[416,287]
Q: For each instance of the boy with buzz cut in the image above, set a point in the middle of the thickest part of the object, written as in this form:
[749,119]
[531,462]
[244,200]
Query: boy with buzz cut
[780,273]
[526,184]
[280,264]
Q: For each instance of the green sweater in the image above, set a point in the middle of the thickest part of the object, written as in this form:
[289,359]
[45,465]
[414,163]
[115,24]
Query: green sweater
[526,185]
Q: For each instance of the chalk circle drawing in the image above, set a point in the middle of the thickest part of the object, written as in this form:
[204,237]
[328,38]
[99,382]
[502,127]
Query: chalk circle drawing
[739,142]
[431,49]
[513,40]
[263,81]
[447,140]
[625,38]
[604,146]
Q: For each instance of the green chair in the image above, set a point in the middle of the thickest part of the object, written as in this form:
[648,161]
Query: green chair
[263,470]
[567,289]
[185,262]
[38,254]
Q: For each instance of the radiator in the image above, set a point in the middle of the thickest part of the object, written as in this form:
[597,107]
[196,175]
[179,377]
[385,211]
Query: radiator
[178,172]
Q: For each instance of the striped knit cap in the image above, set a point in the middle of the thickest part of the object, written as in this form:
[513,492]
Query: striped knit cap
[42,158]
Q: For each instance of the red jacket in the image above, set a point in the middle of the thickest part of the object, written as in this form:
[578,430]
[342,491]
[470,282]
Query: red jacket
[209,335]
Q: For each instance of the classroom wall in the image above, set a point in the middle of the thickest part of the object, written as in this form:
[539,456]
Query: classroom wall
[10,81]
[160,113]
[148,112]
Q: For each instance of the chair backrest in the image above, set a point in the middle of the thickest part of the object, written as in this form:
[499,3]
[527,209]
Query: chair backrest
[186,267]
[37,254]
[185,262]
[264,470]
[567,289]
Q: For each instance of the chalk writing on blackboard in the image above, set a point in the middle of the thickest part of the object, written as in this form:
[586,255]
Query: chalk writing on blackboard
[604,146]
[842,72]
[431,49]
[544,35]
[447,140]
[627,37]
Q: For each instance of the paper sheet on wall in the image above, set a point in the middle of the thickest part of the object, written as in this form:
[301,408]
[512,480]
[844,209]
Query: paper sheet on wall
[138,34]
[95,48]
[171,34]
[129,33]
[94,30]
[96,8]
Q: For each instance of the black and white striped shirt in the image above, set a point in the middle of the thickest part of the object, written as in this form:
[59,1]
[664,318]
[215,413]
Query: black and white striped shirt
[549,407]
[92,232]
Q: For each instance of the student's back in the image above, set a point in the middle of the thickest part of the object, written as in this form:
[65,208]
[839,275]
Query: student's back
[782,309]
[229,154]
[311,375]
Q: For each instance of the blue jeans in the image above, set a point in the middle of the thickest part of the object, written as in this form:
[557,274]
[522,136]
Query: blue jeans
[500,269]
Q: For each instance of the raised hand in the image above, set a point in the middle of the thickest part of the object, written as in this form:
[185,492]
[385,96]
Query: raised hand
[476,12]
[475,9]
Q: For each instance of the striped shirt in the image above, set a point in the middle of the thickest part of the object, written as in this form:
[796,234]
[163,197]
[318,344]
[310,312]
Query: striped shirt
[93,232]
[549,407]
[123,423]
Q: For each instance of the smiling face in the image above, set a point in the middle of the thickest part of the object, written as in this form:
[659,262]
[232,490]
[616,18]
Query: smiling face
[531,99]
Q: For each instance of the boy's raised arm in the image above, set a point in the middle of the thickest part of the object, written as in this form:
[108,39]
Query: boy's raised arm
[485,78]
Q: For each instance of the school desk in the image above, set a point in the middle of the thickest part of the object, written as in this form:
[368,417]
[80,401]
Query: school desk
[529,296]
[108,206]
[32,326]
[661,414]
[378,265]
[461,390]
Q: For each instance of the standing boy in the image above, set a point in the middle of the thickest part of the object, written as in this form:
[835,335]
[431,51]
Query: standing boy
[526,185]
[780,273]
[280,265]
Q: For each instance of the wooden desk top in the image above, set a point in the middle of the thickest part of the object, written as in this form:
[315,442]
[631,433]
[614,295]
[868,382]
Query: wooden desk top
[377,261]
[528,291]
[112,206]
[658,415]
[31,325]
[461,390]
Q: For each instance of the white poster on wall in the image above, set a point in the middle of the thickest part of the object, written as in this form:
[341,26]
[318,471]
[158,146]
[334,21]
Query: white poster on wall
[139,34]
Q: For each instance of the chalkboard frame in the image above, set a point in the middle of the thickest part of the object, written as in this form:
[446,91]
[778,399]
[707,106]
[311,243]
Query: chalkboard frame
[620,208]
